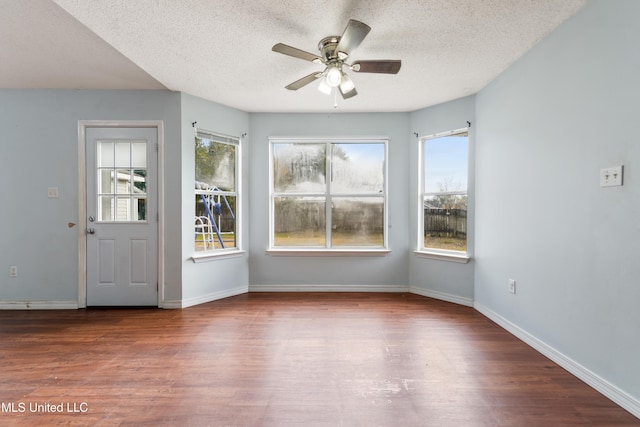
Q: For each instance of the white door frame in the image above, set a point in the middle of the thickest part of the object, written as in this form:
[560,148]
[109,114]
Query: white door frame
[82,196]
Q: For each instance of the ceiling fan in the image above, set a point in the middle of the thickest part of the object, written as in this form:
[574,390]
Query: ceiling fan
[334,52]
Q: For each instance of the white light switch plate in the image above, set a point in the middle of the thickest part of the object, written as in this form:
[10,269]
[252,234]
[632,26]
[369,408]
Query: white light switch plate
[610,177]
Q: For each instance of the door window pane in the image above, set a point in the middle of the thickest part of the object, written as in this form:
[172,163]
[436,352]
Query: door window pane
[140,209]
[123,181]
[139,181]
[106,208]
[105,158]
[123,208]
[123,154]
[139,154]
[106,182]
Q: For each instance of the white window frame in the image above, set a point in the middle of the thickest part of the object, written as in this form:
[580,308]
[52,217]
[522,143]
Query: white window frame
[434,253]
[328,250]
[217,253]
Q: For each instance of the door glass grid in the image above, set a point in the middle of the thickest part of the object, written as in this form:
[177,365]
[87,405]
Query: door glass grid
[122,181]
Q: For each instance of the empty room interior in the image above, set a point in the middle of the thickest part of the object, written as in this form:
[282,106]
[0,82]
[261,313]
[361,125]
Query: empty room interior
[319,213]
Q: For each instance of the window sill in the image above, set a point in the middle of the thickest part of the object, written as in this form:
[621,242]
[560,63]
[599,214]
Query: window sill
[451,256]
[213,256]
[328,252]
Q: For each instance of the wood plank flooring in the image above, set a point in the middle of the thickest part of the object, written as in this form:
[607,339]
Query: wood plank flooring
[285,359]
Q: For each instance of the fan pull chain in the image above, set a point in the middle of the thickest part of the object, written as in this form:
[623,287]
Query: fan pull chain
[335,98]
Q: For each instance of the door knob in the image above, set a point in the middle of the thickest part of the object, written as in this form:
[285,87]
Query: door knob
[91,231]
[91,219]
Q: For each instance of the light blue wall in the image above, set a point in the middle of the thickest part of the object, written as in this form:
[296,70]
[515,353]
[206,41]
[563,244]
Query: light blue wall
[390,270]
[223,276]
[39,149]
[443,279]
[545,128]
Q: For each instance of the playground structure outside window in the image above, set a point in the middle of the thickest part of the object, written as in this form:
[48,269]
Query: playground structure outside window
[328,195]
[216,193]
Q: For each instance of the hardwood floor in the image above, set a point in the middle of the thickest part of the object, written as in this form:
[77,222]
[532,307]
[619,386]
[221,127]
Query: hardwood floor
[285,359]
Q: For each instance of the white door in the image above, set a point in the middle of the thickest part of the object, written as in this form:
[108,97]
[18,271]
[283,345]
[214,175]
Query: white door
[122,216]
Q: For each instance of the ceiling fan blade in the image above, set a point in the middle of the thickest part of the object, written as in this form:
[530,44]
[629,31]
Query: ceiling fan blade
[353,92]
[295,52]
[303,81]
[384,67]
[353,35]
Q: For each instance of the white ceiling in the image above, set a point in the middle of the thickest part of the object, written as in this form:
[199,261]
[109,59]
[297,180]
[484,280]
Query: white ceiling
[221,50]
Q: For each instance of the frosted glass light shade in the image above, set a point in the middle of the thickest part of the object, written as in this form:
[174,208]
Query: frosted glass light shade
[346,85]
[324,87]
[334,77]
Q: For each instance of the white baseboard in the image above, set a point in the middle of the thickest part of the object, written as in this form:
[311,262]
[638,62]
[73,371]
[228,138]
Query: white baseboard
[328,288]
[189,302]
[363,288]
[618,396]
[38,305]
[442,296]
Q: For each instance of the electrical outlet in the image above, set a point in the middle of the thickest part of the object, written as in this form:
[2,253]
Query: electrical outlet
[52,192]
[512,286]
[13,271]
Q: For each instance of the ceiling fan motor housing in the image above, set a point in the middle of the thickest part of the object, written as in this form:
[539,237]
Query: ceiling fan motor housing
[327,47]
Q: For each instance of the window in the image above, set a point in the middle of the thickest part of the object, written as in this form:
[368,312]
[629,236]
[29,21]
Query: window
[216,191]
[346,210]
[443,192]
[122,181]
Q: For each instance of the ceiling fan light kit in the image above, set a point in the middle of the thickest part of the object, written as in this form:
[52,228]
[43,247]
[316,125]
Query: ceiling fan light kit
[324,87]
[334,51]
[334,76]
[346,85]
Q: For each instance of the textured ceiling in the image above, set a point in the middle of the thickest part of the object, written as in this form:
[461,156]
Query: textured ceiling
[221,51]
